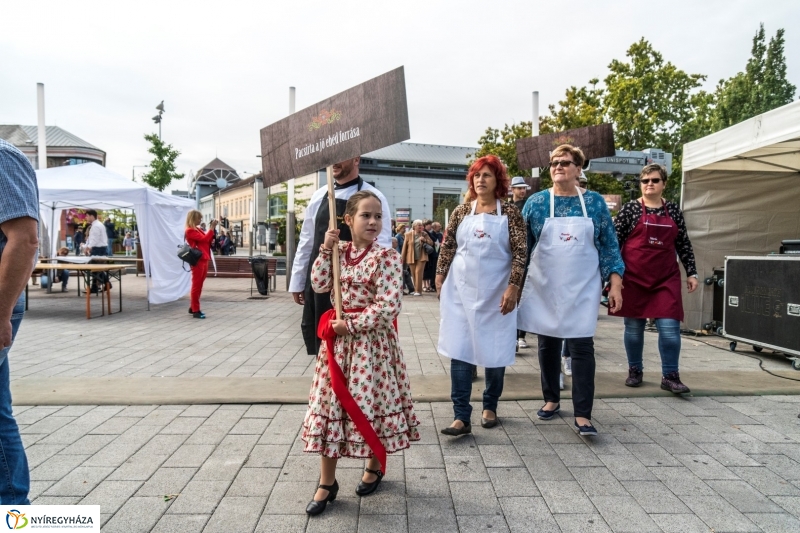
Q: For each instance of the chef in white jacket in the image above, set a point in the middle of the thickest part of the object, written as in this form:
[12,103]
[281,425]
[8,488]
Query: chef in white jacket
[312,235]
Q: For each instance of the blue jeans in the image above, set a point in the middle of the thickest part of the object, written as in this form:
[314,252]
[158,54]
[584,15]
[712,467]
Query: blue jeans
[669,342]
[110,247]
[14,474]
[64,274]
[461,388]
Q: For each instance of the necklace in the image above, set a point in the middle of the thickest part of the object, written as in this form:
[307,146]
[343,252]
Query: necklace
[349,261]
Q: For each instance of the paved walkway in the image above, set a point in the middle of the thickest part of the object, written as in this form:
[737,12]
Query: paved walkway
[724,463]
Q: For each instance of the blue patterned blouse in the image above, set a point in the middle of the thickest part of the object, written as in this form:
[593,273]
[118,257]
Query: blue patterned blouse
[537,209]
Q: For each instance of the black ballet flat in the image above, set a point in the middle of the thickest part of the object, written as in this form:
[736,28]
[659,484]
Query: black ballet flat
[455,432]
[365,488]
[315,507]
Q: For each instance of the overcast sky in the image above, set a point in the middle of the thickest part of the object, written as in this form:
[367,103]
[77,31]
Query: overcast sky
[223,68]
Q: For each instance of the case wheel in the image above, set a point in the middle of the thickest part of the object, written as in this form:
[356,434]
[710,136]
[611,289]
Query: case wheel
[757,349]
[708,281]
[796,364]
[733,346]
[718,331]
[721,282]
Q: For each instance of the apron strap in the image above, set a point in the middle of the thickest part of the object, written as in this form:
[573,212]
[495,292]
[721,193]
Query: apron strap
[552,202]
[475,206]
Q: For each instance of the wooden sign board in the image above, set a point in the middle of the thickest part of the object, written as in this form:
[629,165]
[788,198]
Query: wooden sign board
[594,141]
[362,119]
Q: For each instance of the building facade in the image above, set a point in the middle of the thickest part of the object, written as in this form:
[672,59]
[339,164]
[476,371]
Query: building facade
[63,148]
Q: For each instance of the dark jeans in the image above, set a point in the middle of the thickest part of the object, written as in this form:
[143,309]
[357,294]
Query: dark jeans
[98,250]
[408,283]
[583,366]
[461,388]
[669,342]
[520,334]
[14,474]
[64,275]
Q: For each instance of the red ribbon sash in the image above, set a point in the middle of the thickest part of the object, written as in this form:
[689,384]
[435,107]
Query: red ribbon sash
[339,386]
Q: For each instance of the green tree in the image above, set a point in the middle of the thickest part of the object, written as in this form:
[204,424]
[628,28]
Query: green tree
[449,204]
[162,167]
[503,144]
[580,107]
[760,88]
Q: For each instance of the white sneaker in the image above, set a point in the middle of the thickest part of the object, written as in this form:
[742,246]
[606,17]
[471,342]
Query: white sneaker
[521,343]
[561,381]
[417,294]
[567,362]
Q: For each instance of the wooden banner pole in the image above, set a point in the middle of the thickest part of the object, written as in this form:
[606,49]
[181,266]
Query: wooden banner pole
[335,267]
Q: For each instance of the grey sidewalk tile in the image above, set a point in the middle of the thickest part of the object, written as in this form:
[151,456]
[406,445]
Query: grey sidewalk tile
[470,524]
[557,433]
[547,468]
[341,515]
[389,498]
[267,456]
[652,455]
[564,496]
[431,515]
[182,425]
[138,515]
[111,495]
[199,497]
[39,453]
[705,467]
[790,503]
[138,467]
[166,481]
[254,482]
[237,445]
[582,523]
[524,514]
[138,411]
[57,500]
[190,455]
[780,464]
[606,444]
[678,444]
[424,456]
[48,425]
[262,411]
[80,482]
[745,498]
[250,426]
[748,444]
[453,446]
[655,497]
[681,481]
[181,523]
[304,468]
[474,498]
[500,456]
[466,468]
[430,483]
[38,487]
[239,510]
[765,481]
[57,467]
[114,426]
[208,435]
[719,514]
[36,413]
[598,481]
[160,417]
[518,426]
[162,445]
[680,523]
[696,432]
[628,434]
[511,482]
[281,523]
[791,450]
[220,467]
[118,450]
[382,523]
[624,514]
[765,434]
[727,455]
[490,436]
[88,444]
[577,455]
[626,467]
[291,497]
[201,410]
[775,523]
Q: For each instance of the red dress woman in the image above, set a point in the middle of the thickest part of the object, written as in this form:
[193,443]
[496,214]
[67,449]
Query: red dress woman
[197,238]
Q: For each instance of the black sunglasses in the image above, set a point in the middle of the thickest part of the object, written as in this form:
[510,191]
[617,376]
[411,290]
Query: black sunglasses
[655,181]
[564,163]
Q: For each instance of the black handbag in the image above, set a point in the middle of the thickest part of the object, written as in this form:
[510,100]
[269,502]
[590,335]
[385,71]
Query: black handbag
[428,249]
[189,255]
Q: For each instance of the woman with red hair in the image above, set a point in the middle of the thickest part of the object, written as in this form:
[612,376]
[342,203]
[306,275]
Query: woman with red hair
[480,270]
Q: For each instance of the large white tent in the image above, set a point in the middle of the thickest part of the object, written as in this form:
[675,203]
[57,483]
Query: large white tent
[740,195]
[160,217]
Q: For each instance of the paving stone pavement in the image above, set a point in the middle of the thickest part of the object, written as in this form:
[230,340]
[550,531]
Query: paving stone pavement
[659,464]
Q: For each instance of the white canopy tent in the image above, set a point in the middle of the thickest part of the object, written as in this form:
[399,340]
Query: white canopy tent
[740,195]
[160,217]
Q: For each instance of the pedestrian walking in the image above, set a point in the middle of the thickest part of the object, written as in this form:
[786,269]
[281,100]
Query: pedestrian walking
[408,282]
[97,240]
[111,234]
[127,242]
[77,240]
[415,254]
[574,248]
[312,235]
[19,218]
[197,238]
[360,401]
[429,273]
[652,232]
[481,266]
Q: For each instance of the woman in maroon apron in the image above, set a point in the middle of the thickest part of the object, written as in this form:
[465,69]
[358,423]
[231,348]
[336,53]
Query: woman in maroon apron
[651,232]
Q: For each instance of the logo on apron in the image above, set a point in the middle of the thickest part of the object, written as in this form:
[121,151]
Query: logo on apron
[655,242]
[566,237]
[480,234]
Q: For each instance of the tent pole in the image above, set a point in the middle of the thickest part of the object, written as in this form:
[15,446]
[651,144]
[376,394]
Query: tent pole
[50,255]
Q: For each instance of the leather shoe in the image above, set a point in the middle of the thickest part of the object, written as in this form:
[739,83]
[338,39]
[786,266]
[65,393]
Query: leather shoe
[316,507]
[455,432]
[489,422]
[365,488]
[544,414]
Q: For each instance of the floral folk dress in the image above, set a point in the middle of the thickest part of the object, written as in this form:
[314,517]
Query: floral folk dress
[370,357]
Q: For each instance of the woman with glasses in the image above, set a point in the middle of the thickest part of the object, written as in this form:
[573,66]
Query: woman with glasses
[480,270]
[652,232]
[573,250]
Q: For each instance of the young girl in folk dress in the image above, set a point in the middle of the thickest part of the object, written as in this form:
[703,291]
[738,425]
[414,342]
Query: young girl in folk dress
[366,349]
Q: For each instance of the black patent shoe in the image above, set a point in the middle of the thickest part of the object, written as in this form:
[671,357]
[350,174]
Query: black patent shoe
[315,507]
[365,488]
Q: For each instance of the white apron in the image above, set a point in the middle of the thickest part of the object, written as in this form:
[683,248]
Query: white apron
[472,329]
[562,290]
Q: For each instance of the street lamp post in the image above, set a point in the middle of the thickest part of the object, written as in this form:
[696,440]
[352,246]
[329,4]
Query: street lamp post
[157,118]
[133,175]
